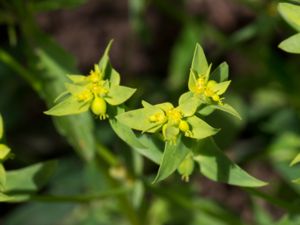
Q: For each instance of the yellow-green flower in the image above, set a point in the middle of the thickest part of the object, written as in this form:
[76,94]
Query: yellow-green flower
[168,120]
[96,91]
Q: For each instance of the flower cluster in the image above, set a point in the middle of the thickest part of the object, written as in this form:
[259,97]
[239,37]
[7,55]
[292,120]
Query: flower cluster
[185,119]
[95,91]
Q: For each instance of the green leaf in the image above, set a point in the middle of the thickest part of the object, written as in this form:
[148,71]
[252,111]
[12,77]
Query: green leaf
[220,74]
[2,178]
[4,152]
[1,127]
[215,165]
[291,13]
[173,155]
[114,77]
[139,119]
[69,106]
[77,79]
[104,61]
[119,94]
[55,63]
[144,145]
[192,81]
[75,89]
[295,160]
[188,108]
[185,97]
[199,63]
[29,179]
[200,129]
[220,88]
[5,198]
[292,44]
[225,107]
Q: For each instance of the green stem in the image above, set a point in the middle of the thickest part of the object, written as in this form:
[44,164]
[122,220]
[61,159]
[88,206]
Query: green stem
[106,155]
[78,198]
[7,59]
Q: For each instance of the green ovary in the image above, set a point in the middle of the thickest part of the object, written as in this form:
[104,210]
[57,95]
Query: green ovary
[98,107]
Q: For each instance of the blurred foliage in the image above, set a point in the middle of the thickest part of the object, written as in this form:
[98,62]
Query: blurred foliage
[104,189]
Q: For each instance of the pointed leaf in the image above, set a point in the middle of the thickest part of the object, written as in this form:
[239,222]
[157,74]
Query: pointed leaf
[4,152]
[104,61]
[69,106]
[189,107]
[173,155]
[119,94]
[143,144]
[29,179]
[220,74]
[295,160]
[291,45]
[139,119]
[215,165]
[114,78]
[199,63]
[77,79]
[225,107]
[185,97]
[75,89]
[220,88]
[192,81]
[200,129]
[291,13]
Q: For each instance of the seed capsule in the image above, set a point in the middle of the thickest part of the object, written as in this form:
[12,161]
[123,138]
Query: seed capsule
[186,168]
[184,126]
[98,107]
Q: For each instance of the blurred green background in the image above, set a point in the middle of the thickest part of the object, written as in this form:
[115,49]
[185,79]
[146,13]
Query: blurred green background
[153,46]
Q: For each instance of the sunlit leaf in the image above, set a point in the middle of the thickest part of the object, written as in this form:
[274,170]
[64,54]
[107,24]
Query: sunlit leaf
[69,106]
[215,165]
[295,160]
[4,152]
[220,74]
[291,13]
[119,94]
[29,179]
[200,129]
[173,155]
[292,44]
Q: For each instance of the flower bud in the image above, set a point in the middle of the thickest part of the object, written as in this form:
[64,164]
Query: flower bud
[186,168]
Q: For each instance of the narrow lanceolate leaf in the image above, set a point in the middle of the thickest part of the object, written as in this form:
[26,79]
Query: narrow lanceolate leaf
[144,145]
[173,155]
[139,119]
[295,160]
[215,165]
[199,63]
[1,127]
[200,129]
[291,45]
[220,74]
[225,107]
[291,13]
[119,94]
[29,179]
[2,178]
[114,77]
[69,106]
[104,61]
[192,81]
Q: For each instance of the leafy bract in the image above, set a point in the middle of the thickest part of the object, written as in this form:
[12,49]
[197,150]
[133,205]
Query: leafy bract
[215,165]
[200,129]
[292,44]
[119,94]
[291,13]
